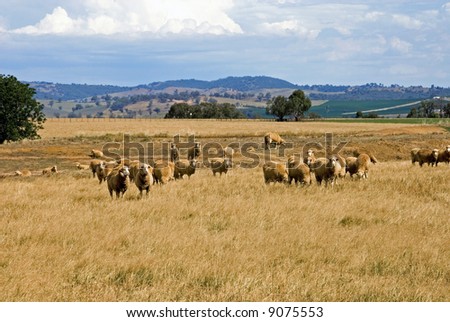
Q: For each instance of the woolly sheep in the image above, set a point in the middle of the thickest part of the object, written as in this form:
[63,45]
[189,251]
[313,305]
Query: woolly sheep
[50,170]
[93,165]
[444,155]
[96,154]
[275,172]
[272,137]
[163,171]
[359,151]
[351,166]
[144,178]
[424,156]
[220,165]
[362,166]
[183,167]
[118,181]
[326,170]
[194,151]
[298,171]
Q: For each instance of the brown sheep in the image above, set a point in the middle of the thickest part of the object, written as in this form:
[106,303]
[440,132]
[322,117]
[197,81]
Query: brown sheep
[163,171]
[351,166]
[50,170]
[275,172]
[118,181]
[444,155]
[362,166]
[82,166]
[23,173]
[174,153]
[144,178]
[271,137]
[298,171]
[183,167]
[326,170]
[220,165]
[194,151]
[93,165]
[357,152]
[424,156]
[96,154]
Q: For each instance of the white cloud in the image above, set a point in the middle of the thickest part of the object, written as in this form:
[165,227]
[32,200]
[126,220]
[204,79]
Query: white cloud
[401,46]
[290,27]
[407,22]
[446,7]
[125,17]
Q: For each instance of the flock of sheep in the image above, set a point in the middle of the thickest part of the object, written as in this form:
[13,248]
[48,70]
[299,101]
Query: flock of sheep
[119,174]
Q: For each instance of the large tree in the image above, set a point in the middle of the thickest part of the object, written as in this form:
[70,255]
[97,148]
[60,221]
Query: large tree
[298,104]
[21,115]
[279,107]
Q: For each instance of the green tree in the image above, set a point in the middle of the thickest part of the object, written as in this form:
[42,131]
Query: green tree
[298,104]
[279,107]
[21,115]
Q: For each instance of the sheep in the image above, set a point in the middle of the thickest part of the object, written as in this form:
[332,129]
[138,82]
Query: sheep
[93,165]
[23,173]
[362,165]
[275,172]
[50,170]
[220,165]
[144,178]
[163,171]
[351,166]
[118,181]
[96,154]
[326,170]
[174,153]
[424,156]
[194,151]
[343,165]
[298,171]
[443,155]
[271,137]
[103,170]
[309,154]
[82,166]
[183,167]
[357,152]
[133,166]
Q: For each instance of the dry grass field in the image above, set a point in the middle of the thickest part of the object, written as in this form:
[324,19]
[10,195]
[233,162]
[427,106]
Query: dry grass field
[225,239]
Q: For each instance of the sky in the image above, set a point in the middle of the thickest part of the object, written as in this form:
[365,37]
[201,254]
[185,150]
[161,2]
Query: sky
[132,42]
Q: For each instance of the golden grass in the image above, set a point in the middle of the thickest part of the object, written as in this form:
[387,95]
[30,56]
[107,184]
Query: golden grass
[57,128]
[228,239]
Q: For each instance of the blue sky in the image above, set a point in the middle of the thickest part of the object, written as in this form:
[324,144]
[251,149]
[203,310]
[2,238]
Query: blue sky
[135,42]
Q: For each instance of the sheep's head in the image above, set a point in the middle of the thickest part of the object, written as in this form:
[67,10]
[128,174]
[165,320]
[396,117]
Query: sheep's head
[54,169]
[310,153]
[143,169]
[193,163]
[435,153]
[124,172]
[448,148]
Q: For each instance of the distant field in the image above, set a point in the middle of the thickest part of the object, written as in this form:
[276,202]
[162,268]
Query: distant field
[229,238]
[337,108]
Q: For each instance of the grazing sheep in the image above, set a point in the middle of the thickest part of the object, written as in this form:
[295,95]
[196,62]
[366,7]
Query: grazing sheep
[357,152]
[163,171]
[133,166]
[93,165]
[351,166]
[174,153]
[50,170]
[444,155]
[82,166]
[118,181]
[272,137]
[194,151]
[362,166]
[298,171]
[23,173]
[326,170]
[275,172]
[144,178]
[183,167]
[96,154]
[220,165]
[424,156]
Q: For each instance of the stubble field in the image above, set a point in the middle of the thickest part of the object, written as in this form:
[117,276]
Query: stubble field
[231,238]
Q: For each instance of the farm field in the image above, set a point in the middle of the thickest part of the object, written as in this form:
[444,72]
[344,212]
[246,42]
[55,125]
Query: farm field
[227,238]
